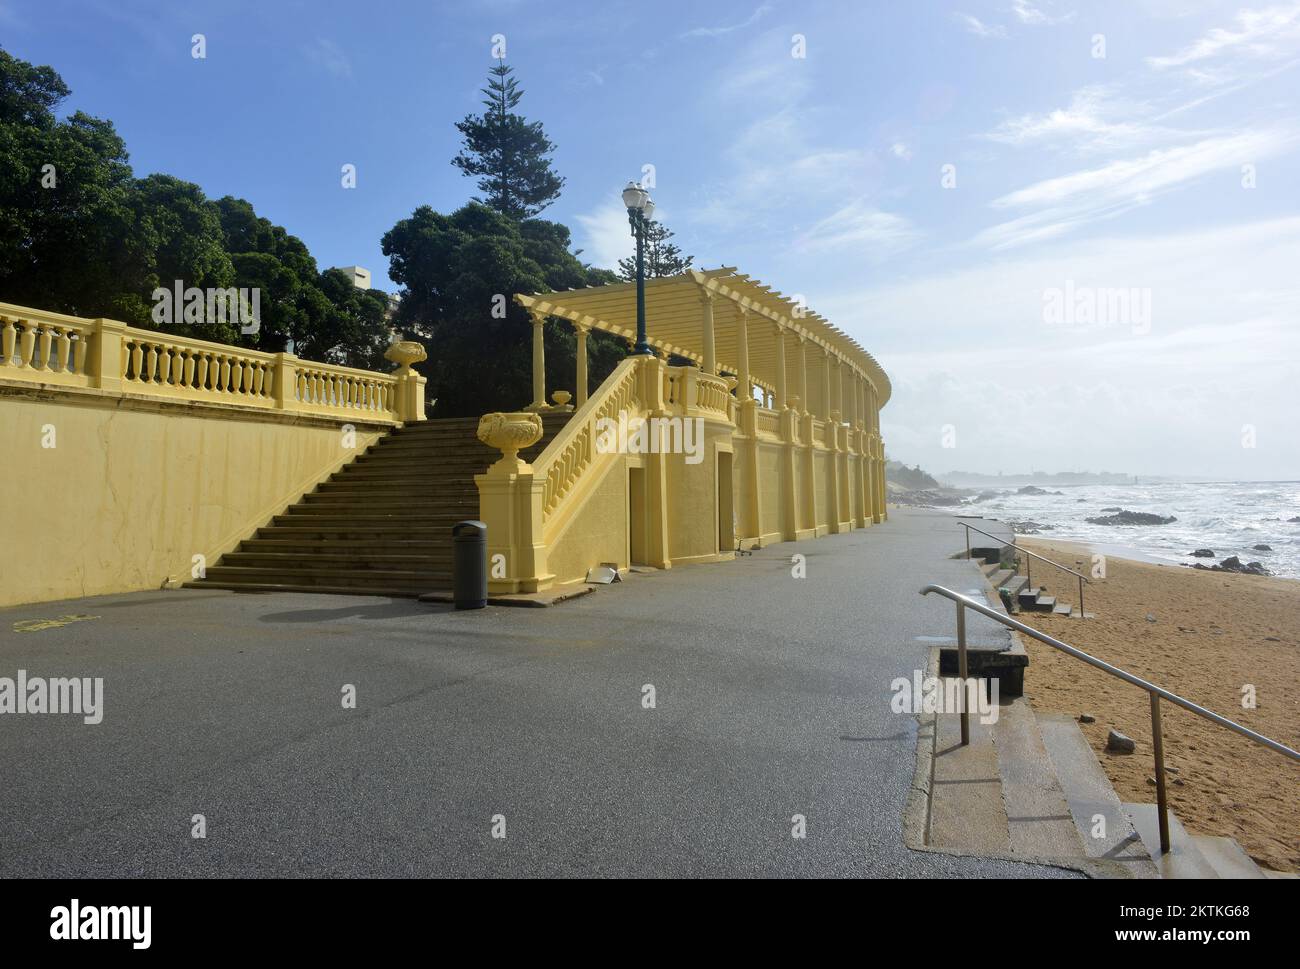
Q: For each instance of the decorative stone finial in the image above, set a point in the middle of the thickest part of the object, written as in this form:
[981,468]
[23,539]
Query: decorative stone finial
[510,434]
[562,398]
[404,353]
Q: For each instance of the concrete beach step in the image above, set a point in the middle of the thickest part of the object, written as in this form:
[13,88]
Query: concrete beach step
[1103,827]
[381,525]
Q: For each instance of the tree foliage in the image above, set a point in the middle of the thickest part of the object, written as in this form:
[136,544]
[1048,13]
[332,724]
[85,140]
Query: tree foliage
[460,273]
[80,234]
[662,257]
[509,155]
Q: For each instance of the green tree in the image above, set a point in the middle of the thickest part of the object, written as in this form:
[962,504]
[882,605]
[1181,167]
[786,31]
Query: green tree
[460,273]
[662,257]
[508,154]
[79,234]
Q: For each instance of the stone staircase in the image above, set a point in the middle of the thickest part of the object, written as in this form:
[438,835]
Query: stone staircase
[1030,787]
[381,525]
[1025,597]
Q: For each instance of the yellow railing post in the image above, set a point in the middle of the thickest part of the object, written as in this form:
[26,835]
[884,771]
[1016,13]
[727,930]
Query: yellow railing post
[285,383]
[106,354]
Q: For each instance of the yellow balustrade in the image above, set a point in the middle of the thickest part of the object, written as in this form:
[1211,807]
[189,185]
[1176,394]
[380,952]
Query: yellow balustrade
[51,348]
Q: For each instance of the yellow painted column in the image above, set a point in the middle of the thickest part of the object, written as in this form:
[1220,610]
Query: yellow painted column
[539,363]
[744,389]
[802,385]
[826,384]
[581,332]
[706,327]
[779,332]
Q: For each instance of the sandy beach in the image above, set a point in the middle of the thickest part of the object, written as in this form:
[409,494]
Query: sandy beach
[1212,634]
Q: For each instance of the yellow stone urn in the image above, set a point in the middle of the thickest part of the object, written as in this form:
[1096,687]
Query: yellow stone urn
[510,434]
[562,398]
[404,353]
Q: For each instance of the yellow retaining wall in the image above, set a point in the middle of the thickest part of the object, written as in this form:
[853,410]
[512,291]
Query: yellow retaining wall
[133,488]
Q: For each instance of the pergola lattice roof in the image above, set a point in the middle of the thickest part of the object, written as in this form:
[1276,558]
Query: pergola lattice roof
[674,320]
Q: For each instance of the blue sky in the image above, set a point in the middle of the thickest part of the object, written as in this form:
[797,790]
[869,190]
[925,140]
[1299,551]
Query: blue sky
[823,175]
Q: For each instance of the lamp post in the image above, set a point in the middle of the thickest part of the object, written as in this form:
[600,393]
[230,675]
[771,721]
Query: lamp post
[639,209]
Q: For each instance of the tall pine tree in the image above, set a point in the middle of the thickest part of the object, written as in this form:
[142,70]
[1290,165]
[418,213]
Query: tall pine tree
[662,257]
[507,153]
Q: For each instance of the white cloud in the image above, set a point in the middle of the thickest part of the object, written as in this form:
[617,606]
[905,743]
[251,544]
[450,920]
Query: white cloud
[970,347]
[607,238]
[1069,201]
[980,29]
[1028,13]
[900,150]
[758,14]
[330,56]
[867,230]
[1096,119]
[1270,32]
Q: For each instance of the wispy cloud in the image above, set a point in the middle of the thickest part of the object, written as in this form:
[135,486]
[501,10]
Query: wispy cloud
[329,55]
[758,14]
[1029,13]
[1270,32]
[606,236]
[867,229]
[1097,119]
[1068,202]
[980,29]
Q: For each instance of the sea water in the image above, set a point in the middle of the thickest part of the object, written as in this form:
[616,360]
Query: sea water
[1228,517]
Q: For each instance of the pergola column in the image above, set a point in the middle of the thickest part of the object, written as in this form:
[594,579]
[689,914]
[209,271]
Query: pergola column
[744,389]
[706,326]
[780,367]
[581,332]
[826,383]
[539,362]
[802,385]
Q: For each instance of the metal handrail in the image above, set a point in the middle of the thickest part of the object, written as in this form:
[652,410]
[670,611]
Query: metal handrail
[1156,692]
[1029,577]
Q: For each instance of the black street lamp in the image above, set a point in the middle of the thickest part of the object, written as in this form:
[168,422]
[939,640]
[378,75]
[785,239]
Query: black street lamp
[639,209]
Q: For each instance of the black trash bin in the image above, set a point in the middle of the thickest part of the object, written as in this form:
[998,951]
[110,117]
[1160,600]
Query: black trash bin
[469,564]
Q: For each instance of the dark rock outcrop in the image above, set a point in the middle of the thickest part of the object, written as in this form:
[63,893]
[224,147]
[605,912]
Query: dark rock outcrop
[1202,553]
[1131,518]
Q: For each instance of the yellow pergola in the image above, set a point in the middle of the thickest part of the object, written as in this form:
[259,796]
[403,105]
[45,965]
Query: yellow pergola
[724,320]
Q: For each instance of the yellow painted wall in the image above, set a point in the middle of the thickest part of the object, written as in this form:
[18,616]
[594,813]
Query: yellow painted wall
[692,499]
[134,488]
[597,533]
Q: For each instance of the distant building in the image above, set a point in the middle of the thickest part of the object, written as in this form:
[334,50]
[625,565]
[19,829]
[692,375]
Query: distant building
[360,277]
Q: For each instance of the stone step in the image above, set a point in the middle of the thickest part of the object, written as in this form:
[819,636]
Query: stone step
[321,560]
[1184,859]
[341,590]
[1227,857]
[305,546]
[335,578]
[394,523]
[999,577]
[1014,584]
[1103,827]
[1062,609]
[385,535]
[1039,819]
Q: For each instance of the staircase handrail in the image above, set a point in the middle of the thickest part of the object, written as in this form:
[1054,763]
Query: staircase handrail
[567,459]
[1157,693]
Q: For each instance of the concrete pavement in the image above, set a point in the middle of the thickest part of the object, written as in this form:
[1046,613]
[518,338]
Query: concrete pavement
[771,700]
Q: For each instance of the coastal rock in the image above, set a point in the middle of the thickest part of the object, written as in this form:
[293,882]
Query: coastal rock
[1261,548]
[1029,527]
[1131,518]
[1031,490]
[1294,521]
[1120,744]
[1202,553]
[1111,509]
[1233,564]
[1087,718]
[925,499]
